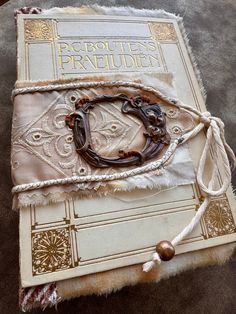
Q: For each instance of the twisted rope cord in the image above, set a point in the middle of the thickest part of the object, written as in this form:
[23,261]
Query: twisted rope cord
[95,178]
[214,137]
[79,85]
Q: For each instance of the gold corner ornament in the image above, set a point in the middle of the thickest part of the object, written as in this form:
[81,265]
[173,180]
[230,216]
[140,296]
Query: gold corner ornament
[38,29]
[51,251]
[218,219]
[163,31]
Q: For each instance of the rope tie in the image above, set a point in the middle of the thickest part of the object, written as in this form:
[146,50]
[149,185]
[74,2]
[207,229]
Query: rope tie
[214,138]
[205,117]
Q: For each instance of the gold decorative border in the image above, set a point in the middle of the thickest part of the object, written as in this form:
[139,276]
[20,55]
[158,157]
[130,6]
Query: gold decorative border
[218,219]
[55,249]
[38,29]
[163,31]
[51,251]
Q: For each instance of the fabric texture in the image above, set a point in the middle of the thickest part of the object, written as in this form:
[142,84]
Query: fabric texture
[43,147]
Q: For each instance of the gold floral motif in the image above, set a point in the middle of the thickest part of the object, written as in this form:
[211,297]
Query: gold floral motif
[219,219]
[38,30]
[51,251]
[163,31]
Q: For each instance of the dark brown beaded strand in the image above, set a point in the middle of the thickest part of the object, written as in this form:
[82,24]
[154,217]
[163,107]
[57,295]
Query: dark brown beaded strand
[165,250]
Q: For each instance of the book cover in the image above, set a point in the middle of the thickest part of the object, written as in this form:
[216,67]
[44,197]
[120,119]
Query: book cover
[80,237]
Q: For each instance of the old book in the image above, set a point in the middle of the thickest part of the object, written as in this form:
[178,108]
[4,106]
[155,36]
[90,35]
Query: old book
[80,237]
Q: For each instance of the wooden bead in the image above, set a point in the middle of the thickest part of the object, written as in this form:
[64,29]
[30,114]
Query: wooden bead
[165,250]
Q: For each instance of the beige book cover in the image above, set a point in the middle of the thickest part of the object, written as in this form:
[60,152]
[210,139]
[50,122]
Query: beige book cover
[78,237]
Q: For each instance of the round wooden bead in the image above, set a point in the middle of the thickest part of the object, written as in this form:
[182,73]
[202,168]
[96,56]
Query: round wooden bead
[165,250]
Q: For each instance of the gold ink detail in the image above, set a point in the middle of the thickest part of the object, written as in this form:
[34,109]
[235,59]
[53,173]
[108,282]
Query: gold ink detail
[51,251]
[219,219]
[163,31]
[38,30]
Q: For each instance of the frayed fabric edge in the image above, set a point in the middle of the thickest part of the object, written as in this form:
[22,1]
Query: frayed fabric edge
[130,184]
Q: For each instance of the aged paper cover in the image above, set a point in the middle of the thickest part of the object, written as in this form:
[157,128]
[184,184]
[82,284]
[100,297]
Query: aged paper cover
[76,238]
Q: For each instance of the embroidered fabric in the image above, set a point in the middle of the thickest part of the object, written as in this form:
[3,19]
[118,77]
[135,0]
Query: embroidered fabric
[43,147]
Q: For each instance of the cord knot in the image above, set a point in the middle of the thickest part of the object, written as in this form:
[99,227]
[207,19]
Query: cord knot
[205,118]
[149,265]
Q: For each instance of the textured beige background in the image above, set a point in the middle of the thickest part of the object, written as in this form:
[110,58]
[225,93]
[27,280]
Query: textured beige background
[211,26]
